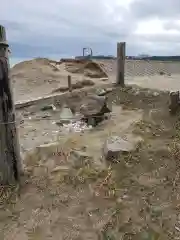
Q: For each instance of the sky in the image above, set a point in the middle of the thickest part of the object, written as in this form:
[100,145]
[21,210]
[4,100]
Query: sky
[61,28]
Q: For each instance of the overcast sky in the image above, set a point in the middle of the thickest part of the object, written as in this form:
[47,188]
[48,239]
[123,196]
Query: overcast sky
[59,28]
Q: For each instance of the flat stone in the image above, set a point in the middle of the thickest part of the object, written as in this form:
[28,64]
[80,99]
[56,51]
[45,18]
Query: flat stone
[115,145]
[66,115]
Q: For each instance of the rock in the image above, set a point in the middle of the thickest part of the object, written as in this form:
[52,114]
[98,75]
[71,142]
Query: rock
[66,116]
[47,107]
[155,94]
[115,145]
[59,123]
[94,108]
[108,90]
[80,158]
[46,116]
[103,92]
[104,79]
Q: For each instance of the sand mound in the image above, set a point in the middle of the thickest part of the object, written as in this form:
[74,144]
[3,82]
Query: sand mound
[86,67]
[36,77]
[40,77]
[31,64]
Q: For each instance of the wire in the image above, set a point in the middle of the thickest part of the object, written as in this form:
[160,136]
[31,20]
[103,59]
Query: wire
[2,123]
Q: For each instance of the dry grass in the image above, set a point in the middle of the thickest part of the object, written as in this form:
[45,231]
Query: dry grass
[136,198]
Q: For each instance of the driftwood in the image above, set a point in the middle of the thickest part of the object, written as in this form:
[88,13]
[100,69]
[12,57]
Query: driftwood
[10,165]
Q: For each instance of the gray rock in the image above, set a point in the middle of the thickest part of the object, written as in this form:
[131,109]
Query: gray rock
[94,108]
[114,146]
[104,79]
[47,107]
[66,116]
[155,94]
[80,158]
[103,92]
[108,90]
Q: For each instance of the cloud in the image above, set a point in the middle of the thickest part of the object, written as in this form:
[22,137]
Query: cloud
[162,9]
[64,27]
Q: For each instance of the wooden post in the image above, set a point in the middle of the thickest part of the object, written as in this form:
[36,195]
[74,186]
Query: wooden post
[10,163]
[69,83]
[174,102]
[120,63]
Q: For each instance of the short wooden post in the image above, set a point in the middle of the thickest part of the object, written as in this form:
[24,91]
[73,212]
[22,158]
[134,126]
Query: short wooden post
[121,54]
[69,83]
[10,163]
[174,102]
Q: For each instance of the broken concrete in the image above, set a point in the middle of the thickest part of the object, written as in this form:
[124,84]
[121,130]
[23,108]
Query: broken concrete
[115,146]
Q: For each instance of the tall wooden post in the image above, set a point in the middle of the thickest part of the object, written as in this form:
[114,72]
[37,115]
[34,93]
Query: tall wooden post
[10,163]
[174,102]
[121,53]
[69,83]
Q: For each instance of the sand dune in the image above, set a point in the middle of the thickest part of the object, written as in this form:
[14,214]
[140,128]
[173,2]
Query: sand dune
[41,77]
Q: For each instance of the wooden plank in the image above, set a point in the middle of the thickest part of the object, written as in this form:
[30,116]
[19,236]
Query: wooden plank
[10,164]
[120,63]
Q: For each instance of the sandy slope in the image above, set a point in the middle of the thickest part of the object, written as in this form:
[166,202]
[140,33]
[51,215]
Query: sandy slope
[39,77]
[58,201]
[129,200]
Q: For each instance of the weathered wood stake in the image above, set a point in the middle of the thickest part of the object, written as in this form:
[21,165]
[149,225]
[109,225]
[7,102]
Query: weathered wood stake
[121,52]
[174,102]
[10,163]
[69,83]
